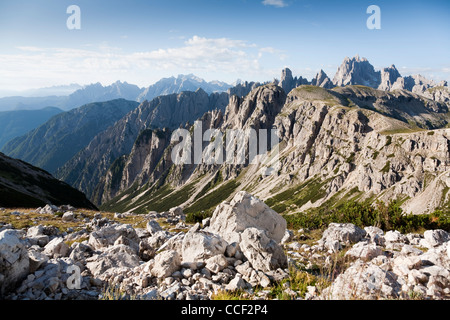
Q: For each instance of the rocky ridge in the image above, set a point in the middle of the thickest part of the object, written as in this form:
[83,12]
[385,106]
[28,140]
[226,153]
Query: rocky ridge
[338,143]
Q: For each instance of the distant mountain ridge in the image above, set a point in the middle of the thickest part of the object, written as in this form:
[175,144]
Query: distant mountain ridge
[181,83]
[17,123]
[96,92]
[53,143]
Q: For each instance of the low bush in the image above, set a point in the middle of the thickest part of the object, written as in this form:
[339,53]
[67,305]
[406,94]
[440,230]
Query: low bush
[385,216]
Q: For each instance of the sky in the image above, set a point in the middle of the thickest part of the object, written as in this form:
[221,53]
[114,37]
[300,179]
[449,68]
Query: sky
[142,41]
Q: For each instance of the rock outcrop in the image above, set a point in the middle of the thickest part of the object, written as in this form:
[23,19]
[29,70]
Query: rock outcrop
[357,263]
[150,263]
[231,219]
[322,80]
[357,71]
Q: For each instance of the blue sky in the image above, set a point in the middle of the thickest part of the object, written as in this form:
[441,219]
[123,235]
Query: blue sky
[141,41]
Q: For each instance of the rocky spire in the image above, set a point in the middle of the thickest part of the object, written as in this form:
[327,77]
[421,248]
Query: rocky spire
[357,71]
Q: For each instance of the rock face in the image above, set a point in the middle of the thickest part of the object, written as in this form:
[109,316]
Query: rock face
[169,111]
[231,219]
[322,80]
[14,262]
[357,71]
[332,141]
[262,252]
[388,78]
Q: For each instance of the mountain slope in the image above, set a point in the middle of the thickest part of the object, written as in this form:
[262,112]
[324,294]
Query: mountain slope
[334,146]
[17,123]
[55,142]
[171,111]
[22,186]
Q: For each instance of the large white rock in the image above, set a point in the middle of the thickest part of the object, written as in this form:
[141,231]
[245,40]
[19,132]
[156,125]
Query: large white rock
[263,253]
[345,233]
[199,245]
[14,262]
[108,235]
[56,248]
[364,281]
[244,211]
[166,263]
[119,256]
[435,238]
[364,251]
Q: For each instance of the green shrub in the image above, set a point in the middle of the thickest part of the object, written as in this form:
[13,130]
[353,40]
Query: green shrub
[388,216]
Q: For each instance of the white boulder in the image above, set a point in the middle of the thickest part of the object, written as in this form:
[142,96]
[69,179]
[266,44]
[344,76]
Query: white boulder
[230,219]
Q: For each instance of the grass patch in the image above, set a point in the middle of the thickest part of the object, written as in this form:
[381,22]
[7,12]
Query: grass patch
[297,196]
[386,167]
[204,206]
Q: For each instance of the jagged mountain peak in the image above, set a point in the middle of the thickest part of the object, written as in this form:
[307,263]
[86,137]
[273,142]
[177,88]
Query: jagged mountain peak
[356,71]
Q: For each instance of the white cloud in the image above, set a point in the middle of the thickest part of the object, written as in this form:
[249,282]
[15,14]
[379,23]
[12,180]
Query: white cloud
[275,3]
[210,58]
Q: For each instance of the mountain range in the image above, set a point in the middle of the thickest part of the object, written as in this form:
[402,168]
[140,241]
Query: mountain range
[55,142]
[365,135]
[17,123]
[98,93]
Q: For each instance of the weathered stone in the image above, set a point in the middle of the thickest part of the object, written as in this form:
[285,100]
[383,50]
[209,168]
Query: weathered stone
[36,259]
[216,263]
[435,238]
[363,281]
[199,245]
[153,227]
[263,253]
[231,249]
[68,216]
[244,211]
[344,232]
[120,256]
[166,263]
[80,252]
[56,248]
[364,251]
[236,284]
[14,261]
[394,236]
[108,235]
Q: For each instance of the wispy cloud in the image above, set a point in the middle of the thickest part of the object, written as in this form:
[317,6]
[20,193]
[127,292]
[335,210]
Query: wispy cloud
[206,57]
[275,3]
